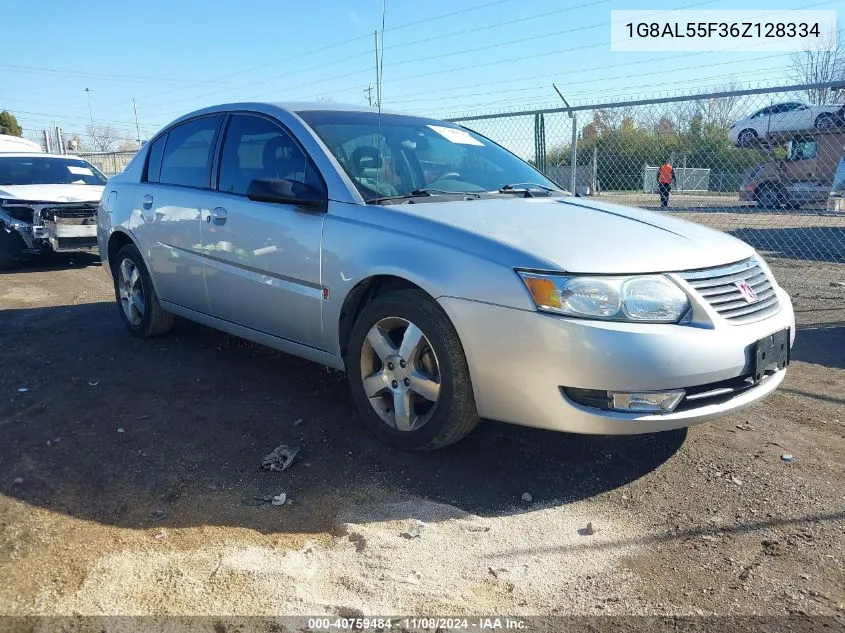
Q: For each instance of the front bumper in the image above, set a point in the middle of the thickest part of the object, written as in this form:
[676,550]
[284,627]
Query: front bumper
[520,360]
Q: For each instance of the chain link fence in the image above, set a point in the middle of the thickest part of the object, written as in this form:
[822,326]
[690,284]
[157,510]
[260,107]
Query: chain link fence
[760,164]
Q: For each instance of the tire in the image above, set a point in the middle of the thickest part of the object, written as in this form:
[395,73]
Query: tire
[438,357]
[747,138]
[824,122]
[138,299]
[769,197]
[11,246]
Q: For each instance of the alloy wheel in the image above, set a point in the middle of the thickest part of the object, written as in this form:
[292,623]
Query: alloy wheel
[131,291]
[400,373]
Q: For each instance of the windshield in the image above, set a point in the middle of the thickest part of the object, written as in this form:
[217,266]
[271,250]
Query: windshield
[43,170]
[839,178]
[401,154]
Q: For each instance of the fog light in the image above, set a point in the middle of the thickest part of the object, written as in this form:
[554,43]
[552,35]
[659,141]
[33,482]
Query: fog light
[647,401]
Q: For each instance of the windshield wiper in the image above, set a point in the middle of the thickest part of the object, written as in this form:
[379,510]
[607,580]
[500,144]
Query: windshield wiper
[526,187]
[420,193]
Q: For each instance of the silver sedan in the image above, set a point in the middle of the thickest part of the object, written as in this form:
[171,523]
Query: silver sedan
[449,279]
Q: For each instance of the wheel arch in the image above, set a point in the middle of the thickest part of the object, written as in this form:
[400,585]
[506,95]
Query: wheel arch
[117,240]
[363,293]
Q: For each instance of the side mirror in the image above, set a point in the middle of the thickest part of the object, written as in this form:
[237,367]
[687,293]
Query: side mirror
[284,191]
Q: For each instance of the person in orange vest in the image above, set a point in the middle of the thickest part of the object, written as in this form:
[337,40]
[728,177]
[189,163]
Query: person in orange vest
[665,179]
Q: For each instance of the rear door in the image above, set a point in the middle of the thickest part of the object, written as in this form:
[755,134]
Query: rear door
[262,260]
[175,194]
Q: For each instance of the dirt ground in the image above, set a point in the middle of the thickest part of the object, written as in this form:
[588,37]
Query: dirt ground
[130,483]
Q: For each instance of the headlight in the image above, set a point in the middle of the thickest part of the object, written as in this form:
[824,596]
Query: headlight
[644,298]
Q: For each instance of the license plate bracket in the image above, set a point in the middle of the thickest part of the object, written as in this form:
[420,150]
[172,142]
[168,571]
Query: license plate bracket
[771,353]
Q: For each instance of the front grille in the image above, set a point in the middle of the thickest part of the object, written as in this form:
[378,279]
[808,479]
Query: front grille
[70,211]
[718,287]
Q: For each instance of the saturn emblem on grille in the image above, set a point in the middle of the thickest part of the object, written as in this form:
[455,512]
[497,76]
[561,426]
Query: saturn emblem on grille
[746,291]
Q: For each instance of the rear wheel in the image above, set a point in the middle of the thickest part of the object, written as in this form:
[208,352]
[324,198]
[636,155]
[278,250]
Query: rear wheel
[769,197]
[137,302]
[824,122]
[408,373]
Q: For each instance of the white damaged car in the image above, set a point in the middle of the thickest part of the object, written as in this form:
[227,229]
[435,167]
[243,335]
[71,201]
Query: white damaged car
[48,203]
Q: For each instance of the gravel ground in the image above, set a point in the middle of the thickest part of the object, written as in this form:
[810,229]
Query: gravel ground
[130,484]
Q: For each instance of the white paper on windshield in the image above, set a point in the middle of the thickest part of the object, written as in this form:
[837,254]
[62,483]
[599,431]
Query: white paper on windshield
[454,135]
[80,171]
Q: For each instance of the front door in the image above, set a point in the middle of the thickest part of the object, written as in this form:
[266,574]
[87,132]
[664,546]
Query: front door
[262,260]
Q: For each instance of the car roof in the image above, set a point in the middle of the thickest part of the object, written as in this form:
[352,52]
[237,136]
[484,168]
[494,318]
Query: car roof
[290,107]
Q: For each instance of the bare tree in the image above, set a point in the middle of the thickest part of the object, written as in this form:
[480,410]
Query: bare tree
[816,66]
[104,138]
[128,145]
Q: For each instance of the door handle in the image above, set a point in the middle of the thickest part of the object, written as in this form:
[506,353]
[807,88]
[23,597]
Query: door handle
[148,202]
[217,216]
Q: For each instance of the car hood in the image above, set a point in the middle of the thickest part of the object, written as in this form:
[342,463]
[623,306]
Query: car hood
[581,235]
[52,193]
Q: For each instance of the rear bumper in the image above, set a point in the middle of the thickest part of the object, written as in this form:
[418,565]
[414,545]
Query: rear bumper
[520,361]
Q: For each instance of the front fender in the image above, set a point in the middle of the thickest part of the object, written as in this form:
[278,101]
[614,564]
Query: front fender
[354,251]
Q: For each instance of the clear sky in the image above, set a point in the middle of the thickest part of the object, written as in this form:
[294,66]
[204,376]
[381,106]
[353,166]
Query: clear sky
[441,57]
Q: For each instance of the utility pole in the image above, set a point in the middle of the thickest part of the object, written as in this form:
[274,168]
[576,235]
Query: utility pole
[137,127]
[574,155]
[90,109]
[369,91]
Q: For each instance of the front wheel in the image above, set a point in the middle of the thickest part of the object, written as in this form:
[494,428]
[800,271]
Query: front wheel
[408,373]
[11,246]
[747,138]
[137,302]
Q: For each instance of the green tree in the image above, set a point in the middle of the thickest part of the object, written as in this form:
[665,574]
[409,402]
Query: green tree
[9,124]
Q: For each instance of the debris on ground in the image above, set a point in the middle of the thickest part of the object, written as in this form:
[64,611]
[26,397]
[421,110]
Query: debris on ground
[838,284]
[162,534]
[22,389]
[120,430]
[587,531]
[18,480]
[527,497]
[281,458]
[745,427]
[298,421]
[279,500]
[93,383]
[787,457]
[414,531]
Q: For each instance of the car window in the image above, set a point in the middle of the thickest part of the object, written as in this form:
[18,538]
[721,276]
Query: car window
[801,150]
[187,153]
[154,158]
[255,147]
[762,113]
